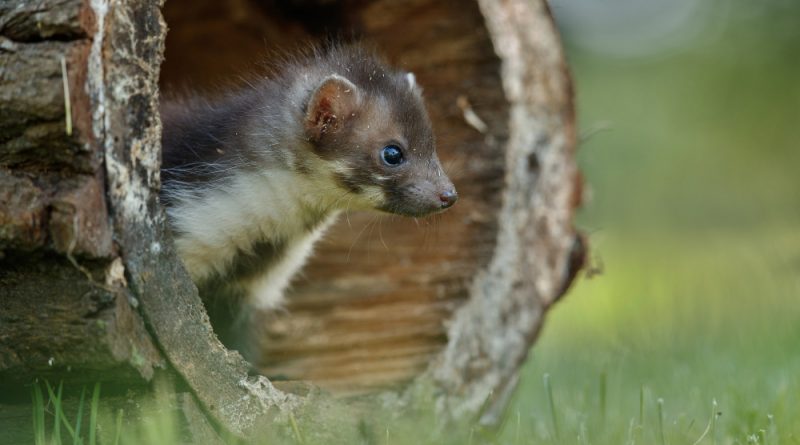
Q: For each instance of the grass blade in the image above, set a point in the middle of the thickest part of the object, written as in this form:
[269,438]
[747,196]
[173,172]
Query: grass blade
[77,439]
[602,397]
[711,421]
[552,406]
[773,430]
[295,429]
[631,428]
[38,415]
[118,432]
[59,412]
[56,438]
[583,434]
[93,414]
[641,406]
[714,425]
[660,403]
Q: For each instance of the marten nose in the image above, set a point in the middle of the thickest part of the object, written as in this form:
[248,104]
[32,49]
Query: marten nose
[448,198]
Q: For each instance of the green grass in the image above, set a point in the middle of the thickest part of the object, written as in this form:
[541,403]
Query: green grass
[52,407]
[156,423]
[661,326]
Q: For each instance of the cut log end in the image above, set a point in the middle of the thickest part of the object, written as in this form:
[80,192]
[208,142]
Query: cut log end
[454,301]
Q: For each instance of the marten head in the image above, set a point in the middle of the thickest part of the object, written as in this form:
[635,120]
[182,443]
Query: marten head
[369,126]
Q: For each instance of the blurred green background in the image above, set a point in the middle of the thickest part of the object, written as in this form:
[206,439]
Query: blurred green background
[690,113]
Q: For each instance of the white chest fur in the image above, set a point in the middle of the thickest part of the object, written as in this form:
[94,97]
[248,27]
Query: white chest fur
[215,226]
[266,291]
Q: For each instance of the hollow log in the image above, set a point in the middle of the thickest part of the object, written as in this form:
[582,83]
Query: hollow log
[89,280]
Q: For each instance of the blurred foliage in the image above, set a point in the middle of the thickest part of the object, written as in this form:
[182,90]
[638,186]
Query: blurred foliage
[704,138]
[691,157]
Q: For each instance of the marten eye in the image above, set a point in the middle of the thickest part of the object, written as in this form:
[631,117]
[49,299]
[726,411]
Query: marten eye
[392,155]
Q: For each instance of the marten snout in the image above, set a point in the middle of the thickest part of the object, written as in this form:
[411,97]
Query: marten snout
[419,197]
[448,198]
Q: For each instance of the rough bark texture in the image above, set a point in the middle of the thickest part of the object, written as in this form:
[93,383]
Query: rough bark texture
[63,307]
[130,48]
[89,280]
[537,251]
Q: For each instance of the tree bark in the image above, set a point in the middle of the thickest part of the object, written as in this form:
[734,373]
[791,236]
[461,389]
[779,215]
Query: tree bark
[89,280]
[64,308]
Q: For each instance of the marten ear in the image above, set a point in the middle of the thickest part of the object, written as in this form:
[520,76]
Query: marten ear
[333,102]
[411,80]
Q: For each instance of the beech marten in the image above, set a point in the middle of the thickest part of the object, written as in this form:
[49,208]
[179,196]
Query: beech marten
[252,179]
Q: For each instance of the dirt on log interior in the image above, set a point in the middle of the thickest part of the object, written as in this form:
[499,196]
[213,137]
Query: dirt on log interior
[89,280]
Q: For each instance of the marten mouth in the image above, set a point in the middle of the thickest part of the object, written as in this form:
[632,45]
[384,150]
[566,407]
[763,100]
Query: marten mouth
[412,212]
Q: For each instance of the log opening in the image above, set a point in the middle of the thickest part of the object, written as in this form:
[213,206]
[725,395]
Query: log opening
[370,310]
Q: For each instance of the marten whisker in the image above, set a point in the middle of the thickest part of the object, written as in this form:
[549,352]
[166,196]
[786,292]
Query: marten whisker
[380,233]
[358,236]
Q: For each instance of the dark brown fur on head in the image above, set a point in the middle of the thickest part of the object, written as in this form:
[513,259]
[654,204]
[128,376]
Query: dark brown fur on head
[355,112]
